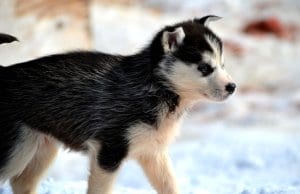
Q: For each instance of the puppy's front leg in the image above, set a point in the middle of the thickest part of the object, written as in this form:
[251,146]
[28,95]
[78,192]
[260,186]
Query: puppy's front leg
[104,168]
[100,180]
[157,167]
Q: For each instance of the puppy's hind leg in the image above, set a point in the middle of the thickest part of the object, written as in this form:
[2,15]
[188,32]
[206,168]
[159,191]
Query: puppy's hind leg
[27,181]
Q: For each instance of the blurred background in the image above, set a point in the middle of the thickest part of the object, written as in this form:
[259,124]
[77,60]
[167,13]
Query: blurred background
[248,145]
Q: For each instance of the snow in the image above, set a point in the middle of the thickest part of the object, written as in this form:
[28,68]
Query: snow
[248,145]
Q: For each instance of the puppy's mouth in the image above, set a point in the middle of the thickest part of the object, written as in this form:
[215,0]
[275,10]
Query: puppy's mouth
[217,96]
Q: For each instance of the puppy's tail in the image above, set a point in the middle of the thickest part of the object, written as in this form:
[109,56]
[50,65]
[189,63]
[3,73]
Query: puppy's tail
[5,38]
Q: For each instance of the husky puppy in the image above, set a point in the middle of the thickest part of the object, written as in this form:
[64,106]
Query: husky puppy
[110,106]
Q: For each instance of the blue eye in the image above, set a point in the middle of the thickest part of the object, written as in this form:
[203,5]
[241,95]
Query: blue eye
[205,69]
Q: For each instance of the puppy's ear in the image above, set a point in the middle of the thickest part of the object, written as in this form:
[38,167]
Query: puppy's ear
[172,40]
[207,19]
[5,38]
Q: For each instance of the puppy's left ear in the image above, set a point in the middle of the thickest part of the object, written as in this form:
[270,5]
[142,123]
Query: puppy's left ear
[207,19]
[172,40]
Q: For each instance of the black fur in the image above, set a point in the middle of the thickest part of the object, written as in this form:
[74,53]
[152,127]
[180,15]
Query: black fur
[205,69]
[82,96]
[194,42]
[76,97]
[5,38]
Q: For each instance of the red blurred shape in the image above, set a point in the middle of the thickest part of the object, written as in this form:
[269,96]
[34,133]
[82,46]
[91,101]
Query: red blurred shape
[270,25]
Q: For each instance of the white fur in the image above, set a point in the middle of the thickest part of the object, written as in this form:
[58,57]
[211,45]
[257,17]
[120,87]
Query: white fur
[220,78]
[216,57]
[93,146]
[149,146]
[187,81]
[145,139]
[179,35]
[157,166]
[23,153]
[27,181]
[100,181]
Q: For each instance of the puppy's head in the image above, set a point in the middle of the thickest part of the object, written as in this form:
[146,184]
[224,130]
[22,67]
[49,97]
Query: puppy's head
[193,61]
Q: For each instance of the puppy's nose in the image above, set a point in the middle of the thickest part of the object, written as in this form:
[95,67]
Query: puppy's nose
[230,87]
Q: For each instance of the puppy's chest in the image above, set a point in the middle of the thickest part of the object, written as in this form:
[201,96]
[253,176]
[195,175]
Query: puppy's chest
[144,138]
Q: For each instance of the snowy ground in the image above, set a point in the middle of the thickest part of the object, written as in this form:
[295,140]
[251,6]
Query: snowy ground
[248,145]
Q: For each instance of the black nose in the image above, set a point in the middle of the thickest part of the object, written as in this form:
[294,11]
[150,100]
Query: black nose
[230,88]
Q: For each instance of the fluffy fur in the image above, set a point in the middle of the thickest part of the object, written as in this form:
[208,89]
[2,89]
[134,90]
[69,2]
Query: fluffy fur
[112,107]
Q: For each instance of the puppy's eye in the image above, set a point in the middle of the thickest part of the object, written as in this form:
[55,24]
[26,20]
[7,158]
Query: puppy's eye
[205,69]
